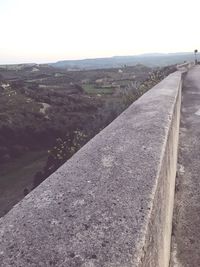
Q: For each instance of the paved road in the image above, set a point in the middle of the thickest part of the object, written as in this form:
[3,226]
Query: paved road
[186,224]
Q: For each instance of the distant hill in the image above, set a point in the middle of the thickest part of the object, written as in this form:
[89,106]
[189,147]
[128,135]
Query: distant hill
[150,60]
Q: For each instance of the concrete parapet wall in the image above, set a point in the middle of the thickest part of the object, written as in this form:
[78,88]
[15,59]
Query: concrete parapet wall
[185,66]
[111,204]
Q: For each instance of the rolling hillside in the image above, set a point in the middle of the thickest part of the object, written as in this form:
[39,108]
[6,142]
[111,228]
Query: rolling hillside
[150,60]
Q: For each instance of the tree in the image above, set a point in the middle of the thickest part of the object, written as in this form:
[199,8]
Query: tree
[60,153]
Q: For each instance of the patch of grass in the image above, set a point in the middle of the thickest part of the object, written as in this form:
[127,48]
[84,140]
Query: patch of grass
[23,168]
[124,82]
[91,89]
[18,175]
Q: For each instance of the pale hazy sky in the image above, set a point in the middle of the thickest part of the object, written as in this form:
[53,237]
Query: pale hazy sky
[51,30]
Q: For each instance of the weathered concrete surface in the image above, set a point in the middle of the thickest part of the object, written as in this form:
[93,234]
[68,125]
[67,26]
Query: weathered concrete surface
[185,66]
[186,222]
[111,204]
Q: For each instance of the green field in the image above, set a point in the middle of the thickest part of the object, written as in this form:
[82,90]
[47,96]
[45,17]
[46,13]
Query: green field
[91,89]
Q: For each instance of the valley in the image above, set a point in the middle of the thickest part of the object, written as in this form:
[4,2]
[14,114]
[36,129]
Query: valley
[48,113]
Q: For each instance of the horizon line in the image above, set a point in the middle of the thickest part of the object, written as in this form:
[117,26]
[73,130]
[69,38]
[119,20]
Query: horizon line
[91,58]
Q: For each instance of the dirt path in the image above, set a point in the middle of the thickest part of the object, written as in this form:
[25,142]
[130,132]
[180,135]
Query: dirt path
[186,222]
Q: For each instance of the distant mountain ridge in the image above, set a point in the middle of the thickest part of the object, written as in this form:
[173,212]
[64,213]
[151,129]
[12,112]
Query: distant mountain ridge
[150,60]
